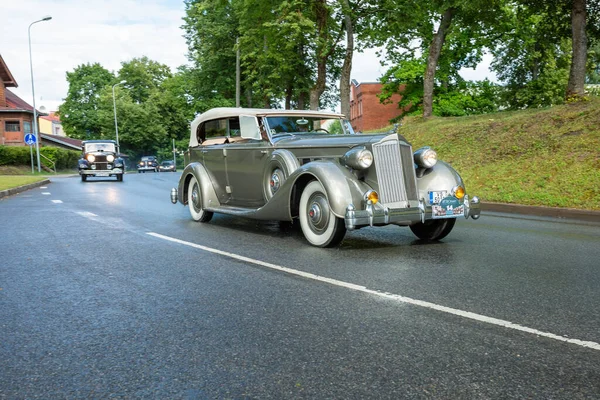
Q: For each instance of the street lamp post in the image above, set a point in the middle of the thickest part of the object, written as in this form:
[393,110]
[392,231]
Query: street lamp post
[35,125]
[115,110]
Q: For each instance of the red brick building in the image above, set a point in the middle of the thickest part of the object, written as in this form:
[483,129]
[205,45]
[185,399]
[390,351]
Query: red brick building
[16,116]
[366,112]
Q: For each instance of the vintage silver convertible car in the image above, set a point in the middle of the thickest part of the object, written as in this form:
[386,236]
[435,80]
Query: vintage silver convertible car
[310,166]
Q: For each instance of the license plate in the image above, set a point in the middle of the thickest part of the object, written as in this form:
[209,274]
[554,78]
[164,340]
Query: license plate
[449,207]
[436,196]
[102,174]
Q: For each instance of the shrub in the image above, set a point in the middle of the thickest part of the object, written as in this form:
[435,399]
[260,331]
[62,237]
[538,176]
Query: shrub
[19,155]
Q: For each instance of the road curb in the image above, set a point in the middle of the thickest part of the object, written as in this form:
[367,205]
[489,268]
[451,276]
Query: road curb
[19,189]
[553,212]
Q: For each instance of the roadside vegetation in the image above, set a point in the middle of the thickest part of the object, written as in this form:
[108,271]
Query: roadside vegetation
[12,181]
[544,157]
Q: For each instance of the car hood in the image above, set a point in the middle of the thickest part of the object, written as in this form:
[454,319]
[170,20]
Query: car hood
[324,140]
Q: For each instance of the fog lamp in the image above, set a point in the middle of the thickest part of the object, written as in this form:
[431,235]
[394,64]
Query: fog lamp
[372,196]
[458,192]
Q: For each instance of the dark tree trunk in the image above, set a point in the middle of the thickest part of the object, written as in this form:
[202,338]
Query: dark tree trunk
[319,87]
[302,101]
[288,97]
[347,66]
[434,54]
[576,85]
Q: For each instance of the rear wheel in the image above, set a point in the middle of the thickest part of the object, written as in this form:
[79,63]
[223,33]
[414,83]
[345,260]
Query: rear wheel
[433,229]
[194,196]
[319,225]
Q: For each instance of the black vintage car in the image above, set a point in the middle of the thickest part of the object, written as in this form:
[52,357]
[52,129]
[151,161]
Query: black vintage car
[148,163]
[100,158]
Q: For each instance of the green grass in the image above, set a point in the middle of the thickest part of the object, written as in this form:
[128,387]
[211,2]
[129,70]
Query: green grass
[12,181]
[12,176]
[545,157]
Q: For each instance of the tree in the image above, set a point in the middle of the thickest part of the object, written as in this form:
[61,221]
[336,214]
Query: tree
[79,112]
[576,85]
[346,72]
[532,57]
[410,29]
[143,76]
[211,32]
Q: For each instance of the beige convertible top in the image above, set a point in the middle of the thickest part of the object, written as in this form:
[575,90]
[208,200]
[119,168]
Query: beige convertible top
[227,112]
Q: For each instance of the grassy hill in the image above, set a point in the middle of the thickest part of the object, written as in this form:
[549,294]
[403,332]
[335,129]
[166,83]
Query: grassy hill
[548,157]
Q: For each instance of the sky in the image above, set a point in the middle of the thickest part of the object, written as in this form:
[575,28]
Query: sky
[110,32]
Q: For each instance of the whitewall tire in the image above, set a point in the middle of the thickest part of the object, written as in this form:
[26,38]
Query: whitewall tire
[194,198]
[319,225]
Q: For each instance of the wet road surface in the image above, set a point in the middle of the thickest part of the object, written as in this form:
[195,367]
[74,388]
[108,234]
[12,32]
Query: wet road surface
[107,290]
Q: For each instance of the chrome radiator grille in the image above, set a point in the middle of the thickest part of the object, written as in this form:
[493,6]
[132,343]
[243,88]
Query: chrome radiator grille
[395,172]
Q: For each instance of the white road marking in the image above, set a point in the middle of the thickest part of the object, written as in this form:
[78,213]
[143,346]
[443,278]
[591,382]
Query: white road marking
[57,201]
[86,214]
[46,193]
[391,296]
[43,187]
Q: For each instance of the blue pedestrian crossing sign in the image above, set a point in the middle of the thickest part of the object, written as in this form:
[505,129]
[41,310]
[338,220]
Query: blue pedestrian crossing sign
[30,139]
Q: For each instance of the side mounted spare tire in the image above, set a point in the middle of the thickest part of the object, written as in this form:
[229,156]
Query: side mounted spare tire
[281,164]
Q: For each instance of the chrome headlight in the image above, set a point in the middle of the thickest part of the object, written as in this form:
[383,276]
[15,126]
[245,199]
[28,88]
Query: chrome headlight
[91,158]
[358,158]
[110,158]
[425,157]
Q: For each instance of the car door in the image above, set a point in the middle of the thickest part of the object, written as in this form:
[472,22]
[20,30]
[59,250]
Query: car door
[245,161]
[245,169]
[214,151]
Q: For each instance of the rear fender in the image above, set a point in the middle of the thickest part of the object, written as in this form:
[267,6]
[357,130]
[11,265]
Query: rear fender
[209,196]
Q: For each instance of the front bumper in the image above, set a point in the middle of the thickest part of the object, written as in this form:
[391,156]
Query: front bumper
[101,172]
[147,168]
[377,214]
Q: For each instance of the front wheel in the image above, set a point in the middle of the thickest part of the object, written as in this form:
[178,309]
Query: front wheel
[319,224]
[120,178]
[83,178]
[194,196]
[433,229]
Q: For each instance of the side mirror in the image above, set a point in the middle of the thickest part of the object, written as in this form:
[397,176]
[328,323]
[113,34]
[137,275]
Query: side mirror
[249,127]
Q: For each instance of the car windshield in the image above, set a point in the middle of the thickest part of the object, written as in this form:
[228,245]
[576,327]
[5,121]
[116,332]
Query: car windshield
[167,163]
[302,125]
[96,147]
[147,158]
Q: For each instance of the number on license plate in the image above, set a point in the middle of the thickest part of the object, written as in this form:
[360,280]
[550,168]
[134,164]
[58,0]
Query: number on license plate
[436,196]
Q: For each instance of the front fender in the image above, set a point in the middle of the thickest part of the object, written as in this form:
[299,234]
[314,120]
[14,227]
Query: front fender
[440,177]
[209,196]
[341,187]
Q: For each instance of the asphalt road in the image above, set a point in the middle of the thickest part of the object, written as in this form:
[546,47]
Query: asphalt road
[107,290]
